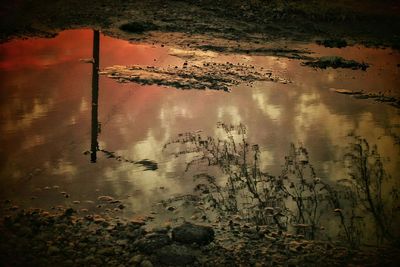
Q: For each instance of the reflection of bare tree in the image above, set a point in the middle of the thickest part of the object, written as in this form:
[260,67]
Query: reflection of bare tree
[95,96]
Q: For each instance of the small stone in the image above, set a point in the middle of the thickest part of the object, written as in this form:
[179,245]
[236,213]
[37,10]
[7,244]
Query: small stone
[105,198]
[176,255]
[138,221]
[92,239]
[89,258]
[68,263]
[161,230]
[136,259]
[53,250]
[171,208]
[152,242]
[146,263]
[25,231]
[191,233]
[122,242]
[106,251]
[68,212]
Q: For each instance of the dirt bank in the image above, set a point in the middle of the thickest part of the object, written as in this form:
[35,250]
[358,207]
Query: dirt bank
[370,22]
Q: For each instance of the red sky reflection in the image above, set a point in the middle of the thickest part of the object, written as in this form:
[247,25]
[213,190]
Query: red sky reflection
[72,45]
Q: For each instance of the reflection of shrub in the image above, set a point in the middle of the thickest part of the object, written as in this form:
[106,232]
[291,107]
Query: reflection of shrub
[296,198]
[249,192]
[344,203]
[367,180]
[299,181]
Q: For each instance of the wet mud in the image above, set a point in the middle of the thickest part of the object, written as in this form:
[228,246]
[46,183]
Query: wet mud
[208,75]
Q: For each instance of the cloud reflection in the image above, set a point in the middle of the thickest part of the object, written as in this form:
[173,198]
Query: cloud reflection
[47,116]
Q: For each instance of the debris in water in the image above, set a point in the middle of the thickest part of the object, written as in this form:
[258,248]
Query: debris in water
[332,43]
[335,62]
[393,101]
[346,91]
[105,198]
[148,164]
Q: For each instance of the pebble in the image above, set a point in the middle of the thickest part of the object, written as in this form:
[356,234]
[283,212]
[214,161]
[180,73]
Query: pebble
[53,250]
[105,198]
[146,263]
[136,259]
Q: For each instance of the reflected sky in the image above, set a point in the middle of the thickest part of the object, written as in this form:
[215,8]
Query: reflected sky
[45,109]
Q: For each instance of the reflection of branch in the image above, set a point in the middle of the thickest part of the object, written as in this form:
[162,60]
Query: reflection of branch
[368,174]
[149,165]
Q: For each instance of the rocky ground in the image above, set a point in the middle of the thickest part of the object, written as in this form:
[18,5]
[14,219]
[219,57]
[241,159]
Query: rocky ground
[63,238]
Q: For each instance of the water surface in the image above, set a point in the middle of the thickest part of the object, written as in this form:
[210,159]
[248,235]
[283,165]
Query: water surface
[46,103]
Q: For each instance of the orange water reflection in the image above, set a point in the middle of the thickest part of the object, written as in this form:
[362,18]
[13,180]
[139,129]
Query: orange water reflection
[45,118]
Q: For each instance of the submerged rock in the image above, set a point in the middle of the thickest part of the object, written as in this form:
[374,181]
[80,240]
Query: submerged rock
[191,233]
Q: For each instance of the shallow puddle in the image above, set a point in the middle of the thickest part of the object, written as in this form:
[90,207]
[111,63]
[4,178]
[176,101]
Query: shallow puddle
[46,119]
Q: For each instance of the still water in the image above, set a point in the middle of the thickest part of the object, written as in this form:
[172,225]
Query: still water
[46,118]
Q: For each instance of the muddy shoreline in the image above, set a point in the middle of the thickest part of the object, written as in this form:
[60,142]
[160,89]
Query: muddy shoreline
[46,238]
[371,23]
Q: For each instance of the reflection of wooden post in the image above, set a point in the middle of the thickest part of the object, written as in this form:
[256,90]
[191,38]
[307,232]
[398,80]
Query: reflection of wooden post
[95,96]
